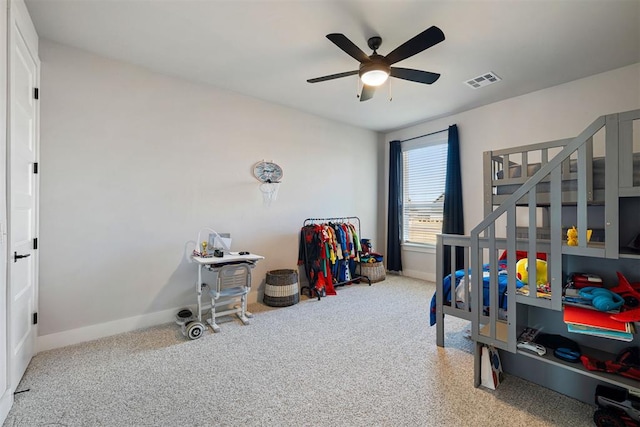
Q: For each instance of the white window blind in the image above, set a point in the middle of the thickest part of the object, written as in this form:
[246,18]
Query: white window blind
[424,174]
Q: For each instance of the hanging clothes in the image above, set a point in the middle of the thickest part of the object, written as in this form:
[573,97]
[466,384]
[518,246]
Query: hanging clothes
[312,253]
[329,252]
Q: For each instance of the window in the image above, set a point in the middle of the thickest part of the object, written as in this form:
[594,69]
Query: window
[424,163]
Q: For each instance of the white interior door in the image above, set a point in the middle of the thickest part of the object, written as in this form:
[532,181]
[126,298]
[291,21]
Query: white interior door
[22,186]
[6,394]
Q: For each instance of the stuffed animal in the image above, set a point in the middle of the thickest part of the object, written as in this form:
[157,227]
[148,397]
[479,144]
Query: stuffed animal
[572,236]
[522,271]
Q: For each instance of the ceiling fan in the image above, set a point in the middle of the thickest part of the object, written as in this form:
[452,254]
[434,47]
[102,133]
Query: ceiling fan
[375,69]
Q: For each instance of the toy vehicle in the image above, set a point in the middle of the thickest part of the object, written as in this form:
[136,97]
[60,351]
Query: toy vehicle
[616,408]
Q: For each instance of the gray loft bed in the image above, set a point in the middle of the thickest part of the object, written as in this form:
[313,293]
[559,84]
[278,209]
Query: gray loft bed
[565,179]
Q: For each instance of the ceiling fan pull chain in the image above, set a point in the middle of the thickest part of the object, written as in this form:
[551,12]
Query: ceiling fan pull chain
[389,87]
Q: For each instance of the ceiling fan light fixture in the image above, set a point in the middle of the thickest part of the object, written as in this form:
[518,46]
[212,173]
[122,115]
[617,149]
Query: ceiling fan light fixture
[374,77]
[374,73]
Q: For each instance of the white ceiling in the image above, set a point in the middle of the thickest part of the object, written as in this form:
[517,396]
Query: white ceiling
[269,48]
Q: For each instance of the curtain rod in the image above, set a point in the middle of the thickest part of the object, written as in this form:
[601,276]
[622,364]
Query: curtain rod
[426,134]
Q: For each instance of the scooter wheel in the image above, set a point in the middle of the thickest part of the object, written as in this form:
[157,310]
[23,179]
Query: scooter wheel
[195,330]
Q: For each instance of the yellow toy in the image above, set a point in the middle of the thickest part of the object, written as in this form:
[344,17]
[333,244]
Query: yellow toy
[572,236]
[522,271]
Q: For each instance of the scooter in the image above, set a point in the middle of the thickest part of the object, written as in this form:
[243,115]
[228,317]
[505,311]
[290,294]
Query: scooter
[189,324]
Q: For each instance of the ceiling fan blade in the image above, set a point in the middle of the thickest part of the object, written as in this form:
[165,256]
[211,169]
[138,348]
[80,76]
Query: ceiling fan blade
[414,75]
[332,76]
[422,41]
[367,92]
[348,46]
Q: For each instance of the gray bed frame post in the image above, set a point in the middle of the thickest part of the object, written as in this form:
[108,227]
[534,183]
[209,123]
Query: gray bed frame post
[487,166]
[611,202]
[439,292]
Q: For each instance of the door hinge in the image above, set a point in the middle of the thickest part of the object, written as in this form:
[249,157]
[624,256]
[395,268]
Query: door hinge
[35,318]
[35,167]
[36,93]
[35,243]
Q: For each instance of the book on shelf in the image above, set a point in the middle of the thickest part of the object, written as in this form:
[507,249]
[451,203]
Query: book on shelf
[597,332]
[597,319]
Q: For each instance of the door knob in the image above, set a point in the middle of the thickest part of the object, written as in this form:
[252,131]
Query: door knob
[16,257]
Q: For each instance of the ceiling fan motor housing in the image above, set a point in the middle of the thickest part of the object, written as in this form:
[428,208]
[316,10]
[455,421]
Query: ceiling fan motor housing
[376,63]
[374,43]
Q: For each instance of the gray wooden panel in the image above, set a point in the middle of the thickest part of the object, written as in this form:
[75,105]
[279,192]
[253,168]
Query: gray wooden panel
[439,292]
[487,166]
[625,144]
[532,147]
[554,377]
[611,186]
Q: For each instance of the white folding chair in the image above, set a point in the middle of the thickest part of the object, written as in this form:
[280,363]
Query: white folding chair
[232,286]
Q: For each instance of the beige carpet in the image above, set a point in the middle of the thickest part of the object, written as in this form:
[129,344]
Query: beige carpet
[366,357]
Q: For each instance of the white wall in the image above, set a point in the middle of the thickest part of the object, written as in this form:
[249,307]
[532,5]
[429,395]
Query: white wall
[559,112]
[134,163]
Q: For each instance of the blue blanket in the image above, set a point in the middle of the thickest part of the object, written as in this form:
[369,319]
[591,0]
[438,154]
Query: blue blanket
[502,287]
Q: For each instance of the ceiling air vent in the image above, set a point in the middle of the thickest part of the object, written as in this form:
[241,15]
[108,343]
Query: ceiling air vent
[483,80]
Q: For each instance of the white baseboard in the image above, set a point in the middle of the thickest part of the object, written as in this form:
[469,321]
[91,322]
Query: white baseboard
[6,401]
[416,274]
[93,332]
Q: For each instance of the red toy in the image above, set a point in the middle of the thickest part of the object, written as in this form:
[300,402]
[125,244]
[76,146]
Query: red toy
[584,280]
[631,294]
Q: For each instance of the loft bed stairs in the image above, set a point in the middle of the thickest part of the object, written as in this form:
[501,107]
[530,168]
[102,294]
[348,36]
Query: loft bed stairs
[591,182]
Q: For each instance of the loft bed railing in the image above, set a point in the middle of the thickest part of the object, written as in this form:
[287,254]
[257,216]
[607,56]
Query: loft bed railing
[502,174]
[452,243]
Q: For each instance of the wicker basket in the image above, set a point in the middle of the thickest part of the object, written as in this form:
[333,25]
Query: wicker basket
[373,270]
[281,288]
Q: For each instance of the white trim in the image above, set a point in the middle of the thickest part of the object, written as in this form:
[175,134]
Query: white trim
[425,141]
[101,330]
[416,274]
[21,13]
[419,247]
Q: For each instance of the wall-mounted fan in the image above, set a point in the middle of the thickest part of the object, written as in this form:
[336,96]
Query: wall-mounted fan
[375,69]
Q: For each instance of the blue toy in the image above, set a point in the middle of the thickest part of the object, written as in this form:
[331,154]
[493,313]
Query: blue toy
[602,299]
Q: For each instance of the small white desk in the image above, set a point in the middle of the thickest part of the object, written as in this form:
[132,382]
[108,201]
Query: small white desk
[213,264]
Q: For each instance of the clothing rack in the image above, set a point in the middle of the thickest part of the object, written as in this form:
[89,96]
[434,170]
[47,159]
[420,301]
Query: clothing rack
[309,221]
[311,265]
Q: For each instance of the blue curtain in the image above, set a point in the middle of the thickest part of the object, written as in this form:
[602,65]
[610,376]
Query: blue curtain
[453,218]
[394,219]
